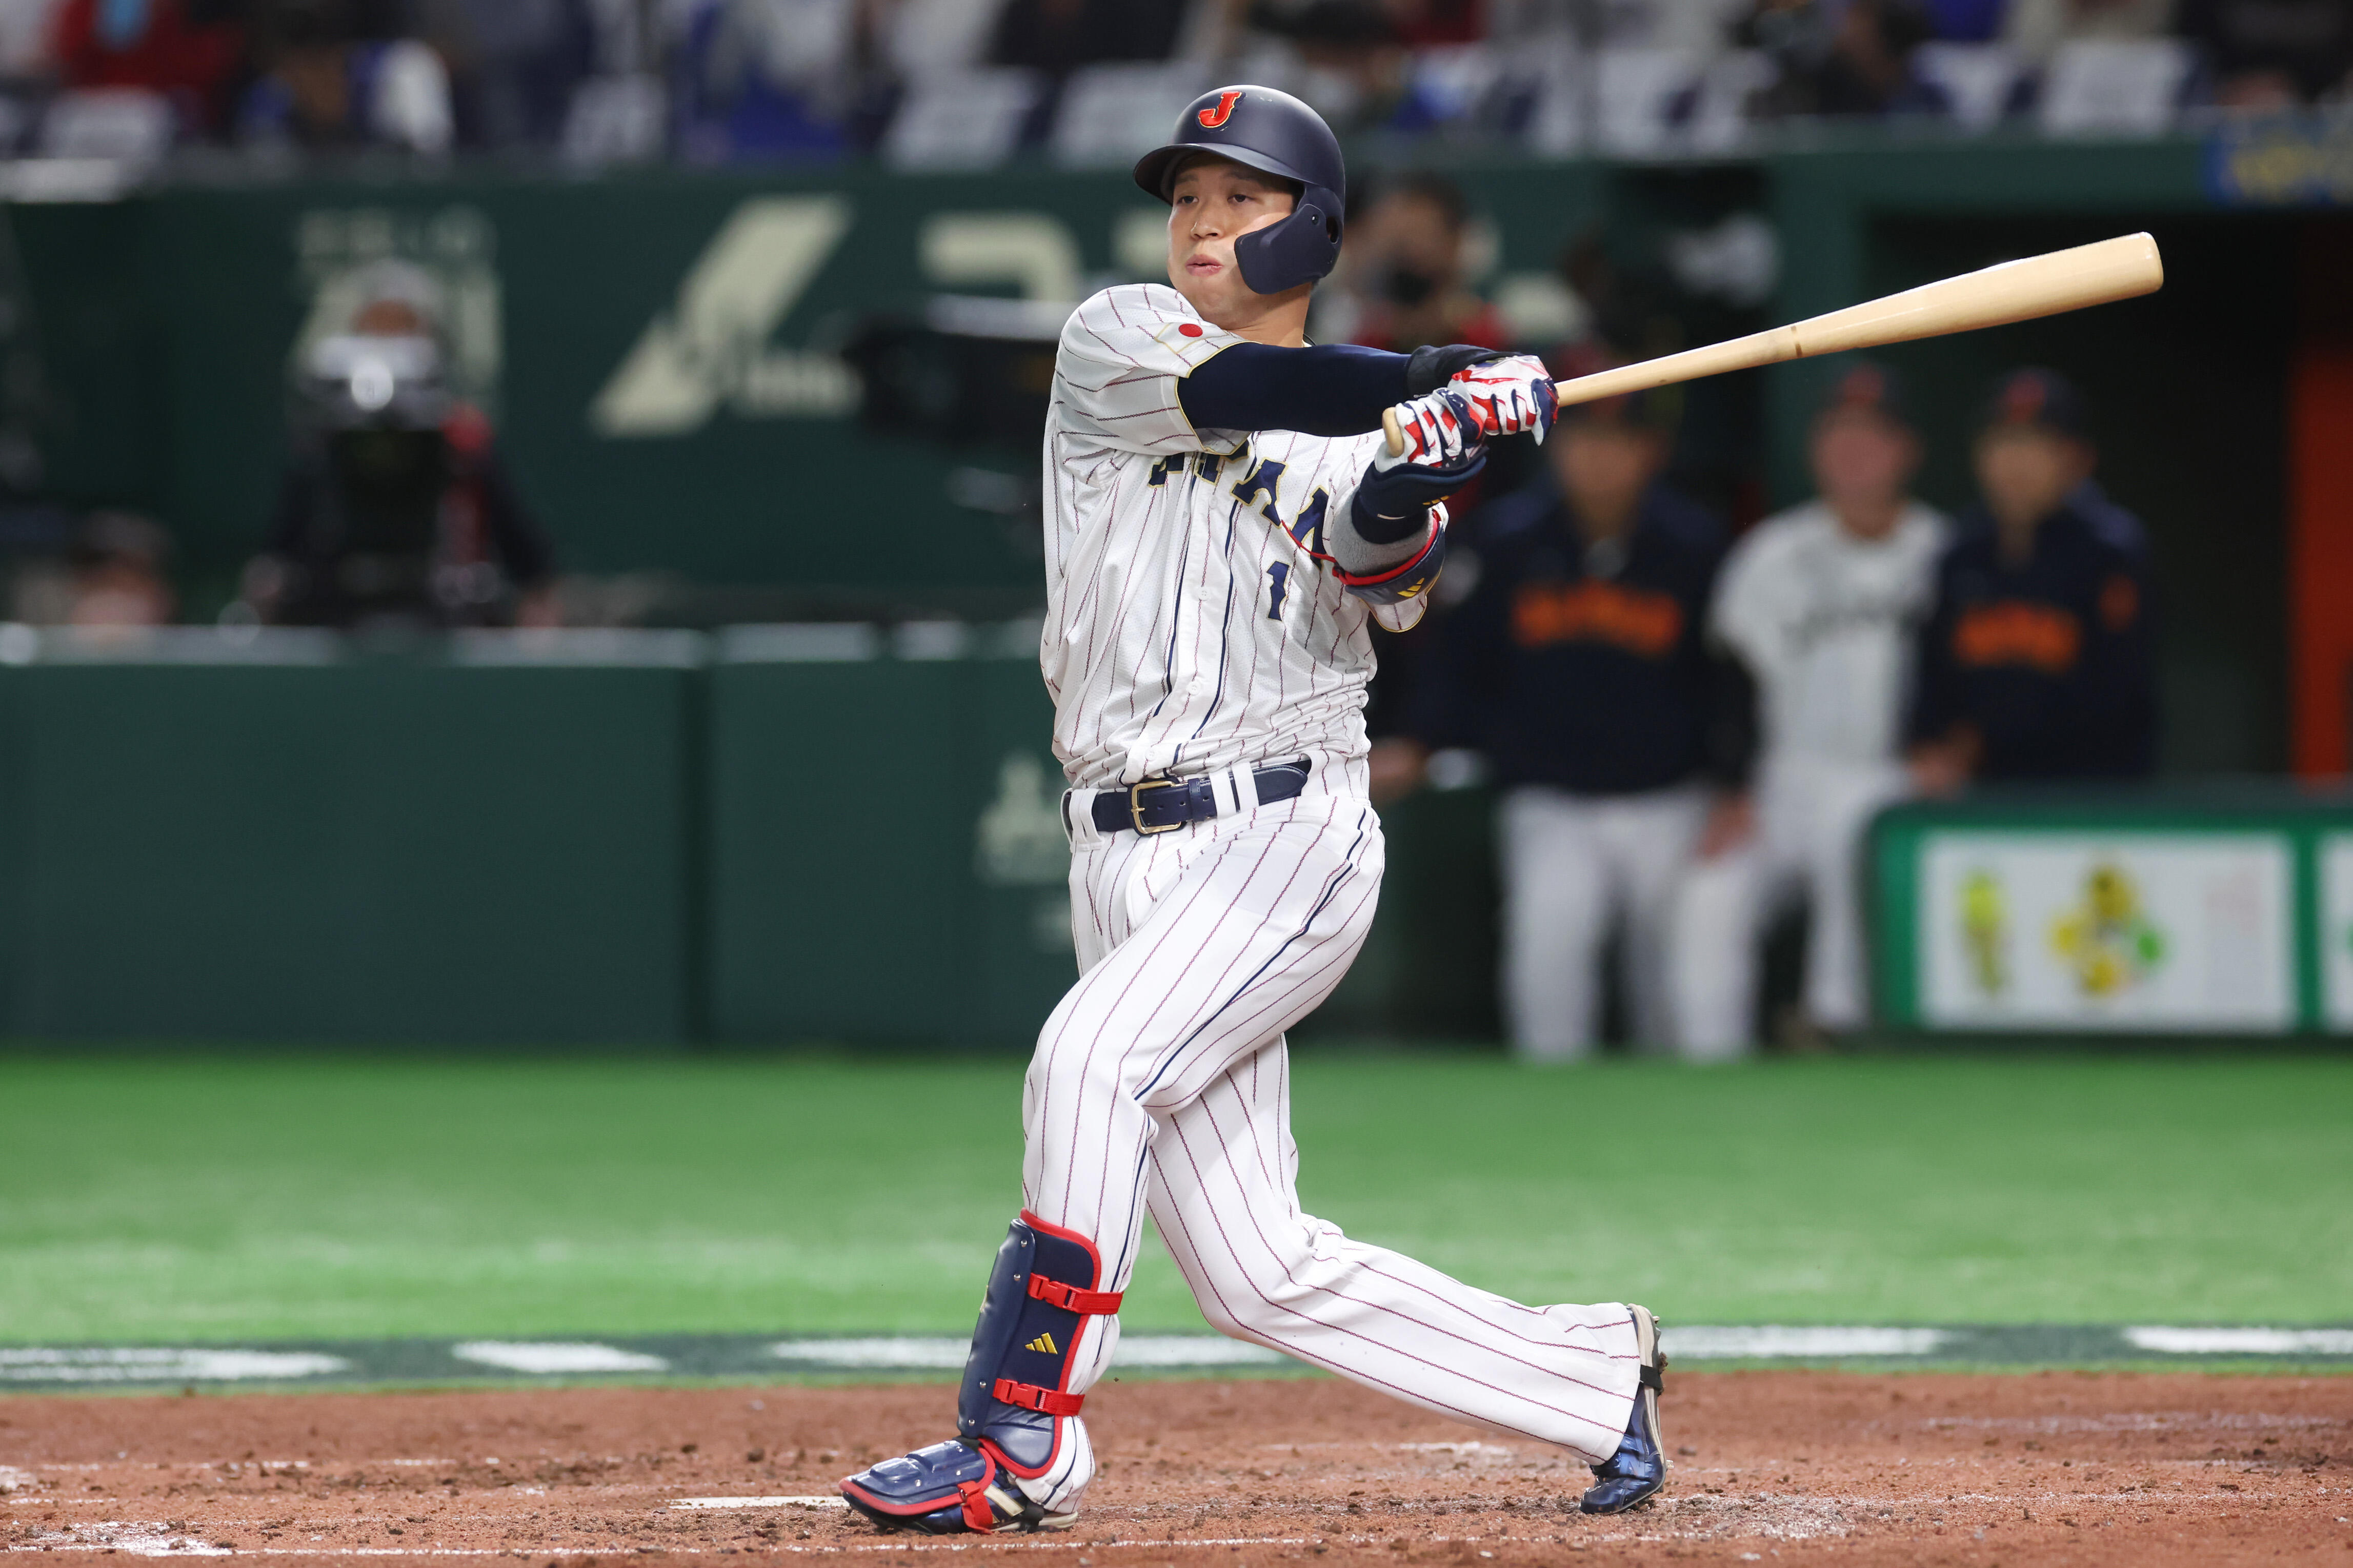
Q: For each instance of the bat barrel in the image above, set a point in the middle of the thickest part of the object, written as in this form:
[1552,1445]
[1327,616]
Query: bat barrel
[2098,274]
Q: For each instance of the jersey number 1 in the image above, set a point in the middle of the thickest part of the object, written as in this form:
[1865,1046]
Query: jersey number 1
[1278,583]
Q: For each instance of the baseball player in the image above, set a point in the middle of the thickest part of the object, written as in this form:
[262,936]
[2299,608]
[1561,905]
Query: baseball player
[1818,606]
[2038,661]
[1224,523]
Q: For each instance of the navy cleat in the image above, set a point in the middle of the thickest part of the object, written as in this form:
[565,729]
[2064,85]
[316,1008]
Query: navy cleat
[1633,1475]
[948,1488]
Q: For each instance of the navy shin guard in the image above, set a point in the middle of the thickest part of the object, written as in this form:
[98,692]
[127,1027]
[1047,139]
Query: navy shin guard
[1013,1404]
[1040,1295]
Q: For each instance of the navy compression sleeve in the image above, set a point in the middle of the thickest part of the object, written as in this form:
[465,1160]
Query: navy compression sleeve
[1329,389]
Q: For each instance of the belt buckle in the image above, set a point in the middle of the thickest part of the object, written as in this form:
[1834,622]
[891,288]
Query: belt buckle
[1135,805]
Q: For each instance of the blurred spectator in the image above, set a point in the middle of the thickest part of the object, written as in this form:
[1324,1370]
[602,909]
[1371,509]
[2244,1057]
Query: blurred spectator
[2271,54]
[1577,665]
[1966,21]
[110,572]
[1693,27]
[1841,58]
[395,508]
[27,39]
[184,50]
[2036,661]
[1818,608]
[334,74]
[1407,270]
[2034,29]
[1356,71]
[767,78]
[1426,24]
[514,64]
[1058,37]
[118,580]
[909,38]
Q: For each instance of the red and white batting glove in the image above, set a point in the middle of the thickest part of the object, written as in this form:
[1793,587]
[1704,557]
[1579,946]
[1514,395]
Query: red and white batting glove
[1510,394]
[1441,430]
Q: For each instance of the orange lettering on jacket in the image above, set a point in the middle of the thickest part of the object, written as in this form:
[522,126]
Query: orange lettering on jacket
[2010,631]
[1649,623]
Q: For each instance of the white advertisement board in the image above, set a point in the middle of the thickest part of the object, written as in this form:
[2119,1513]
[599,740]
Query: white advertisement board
[2337,930]
[2136,931]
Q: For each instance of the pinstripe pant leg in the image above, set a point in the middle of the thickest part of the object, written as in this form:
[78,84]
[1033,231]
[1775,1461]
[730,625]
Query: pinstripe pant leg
[1202,948]
[1223,1197]
[1199,947]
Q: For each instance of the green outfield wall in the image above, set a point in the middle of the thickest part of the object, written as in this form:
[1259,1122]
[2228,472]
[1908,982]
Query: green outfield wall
[847,832]
[887,858]
[455,844]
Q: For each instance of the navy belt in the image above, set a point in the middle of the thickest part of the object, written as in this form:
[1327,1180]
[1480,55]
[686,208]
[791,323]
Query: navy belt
[1164,805]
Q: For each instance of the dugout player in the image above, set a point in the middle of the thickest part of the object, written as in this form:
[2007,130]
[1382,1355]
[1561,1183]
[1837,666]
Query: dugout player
[1224,524]
[2038,660]
[1817,606]
[1577,666]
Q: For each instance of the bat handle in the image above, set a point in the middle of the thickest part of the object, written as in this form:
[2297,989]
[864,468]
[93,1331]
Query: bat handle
[1390,428]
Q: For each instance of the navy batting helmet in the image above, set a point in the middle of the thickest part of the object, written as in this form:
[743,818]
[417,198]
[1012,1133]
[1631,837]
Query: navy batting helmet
[1273,131]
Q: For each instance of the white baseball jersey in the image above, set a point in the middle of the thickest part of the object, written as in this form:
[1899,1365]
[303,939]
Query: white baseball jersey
[1190,624]
[1824,621]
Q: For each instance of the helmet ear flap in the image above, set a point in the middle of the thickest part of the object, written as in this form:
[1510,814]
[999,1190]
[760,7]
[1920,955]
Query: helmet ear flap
[1301,249]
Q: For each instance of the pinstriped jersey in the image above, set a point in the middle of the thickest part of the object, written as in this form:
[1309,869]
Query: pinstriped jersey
[1192,621]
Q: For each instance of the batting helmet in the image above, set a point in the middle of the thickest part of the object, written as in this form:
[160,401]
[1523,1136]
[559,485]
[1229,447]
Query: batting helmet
[1273,131]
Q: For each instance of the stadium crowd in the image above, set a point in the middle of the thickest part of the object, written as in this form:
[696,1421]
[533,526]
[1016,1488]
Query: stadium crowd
[965,80]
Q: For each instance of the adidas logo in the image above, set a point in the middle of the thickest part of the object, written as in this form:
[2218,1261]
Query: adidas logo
[1043,1344]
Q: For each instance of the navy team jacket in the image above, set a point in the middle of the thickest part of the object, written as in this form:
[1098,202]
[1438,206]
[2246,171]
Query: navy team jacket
[2052,660]
[1567,668]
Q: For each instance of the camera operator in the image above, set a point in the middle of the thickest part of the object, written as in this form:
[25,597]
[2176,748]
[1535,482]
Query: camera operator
[395,509]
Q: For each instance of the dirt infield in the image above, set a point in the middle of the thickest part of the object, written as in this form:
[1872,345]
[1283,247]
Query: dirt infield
[1772,1466]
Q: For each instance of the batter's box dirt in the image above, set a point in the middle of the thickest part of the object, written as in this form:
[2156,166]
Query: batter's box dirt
[1771,1468]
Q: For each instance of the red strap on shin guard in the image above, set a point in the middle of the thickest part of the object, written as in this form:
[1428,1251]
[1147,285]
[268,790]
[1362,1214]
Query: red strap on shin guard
[1030,1396]
[1093,1303]
[977,1514]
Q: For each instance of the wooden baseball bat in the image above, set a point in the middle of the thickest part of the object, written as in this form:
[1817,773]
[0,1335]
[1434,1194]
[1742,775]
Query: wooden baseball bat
[2120,268]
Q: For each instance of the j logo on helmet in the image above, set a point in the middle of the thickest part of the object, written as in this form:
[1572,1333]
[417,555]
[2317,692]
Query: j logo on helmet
[1213,118]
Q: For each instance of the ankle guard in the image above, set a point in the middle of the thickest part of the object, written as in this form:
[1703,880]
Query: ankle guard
[1016,1385]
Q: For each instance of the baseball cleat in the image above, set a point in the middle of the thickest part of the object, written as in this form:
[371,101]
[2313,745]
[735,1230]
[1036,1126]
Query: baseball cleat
[1633,1475]
[954,1487]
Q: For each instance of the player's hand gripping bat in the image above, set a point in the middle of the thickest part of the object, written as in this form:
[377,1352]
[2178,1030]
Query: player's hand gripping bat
[2113,269]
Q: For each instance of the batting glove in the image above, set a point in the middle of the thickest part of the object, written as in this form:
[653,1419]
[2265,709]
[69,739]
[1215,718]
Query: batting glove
[1440,430]
[1444,450]
[1509,394]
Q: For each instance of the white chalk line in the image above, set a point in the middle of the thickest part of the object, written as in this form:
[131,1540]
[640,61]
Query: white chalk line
[1015,1543]
[721,1502]
[165,1546]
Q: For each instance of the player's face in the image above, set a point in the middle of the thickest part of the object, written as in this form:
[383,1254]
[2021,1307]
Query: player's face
[2026,471]
[1863,462]
[1214,202]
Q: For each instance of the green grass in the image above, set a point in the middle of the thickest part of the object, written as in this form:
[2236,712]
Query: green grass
[178,1198]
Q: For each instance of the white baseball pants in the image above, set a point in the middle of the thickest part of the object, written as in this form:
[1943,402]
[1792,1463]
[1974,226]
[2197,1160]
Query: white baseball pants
[1162,1082]
[1572,866]
[1810,819]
